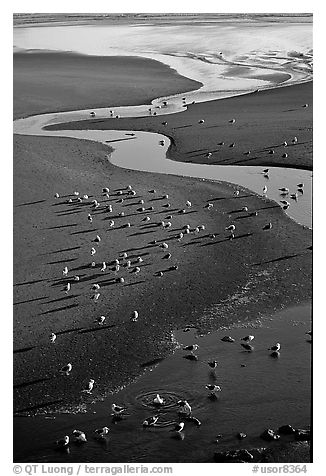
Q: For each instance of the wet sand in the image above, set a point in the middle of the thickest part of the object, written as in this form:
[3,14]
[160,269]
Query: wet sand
[50,234]
[264,120]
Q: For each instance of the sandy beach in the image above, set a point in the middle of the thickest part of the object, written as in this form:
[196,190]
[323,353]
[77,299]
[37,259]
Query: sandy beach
[51,233]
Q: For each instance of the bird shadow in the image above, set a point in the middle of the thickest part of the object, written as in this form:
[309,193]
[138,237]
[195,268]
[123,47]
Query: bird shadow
[62,250]
[30,300]
[95,329]
[275,260]
[60,226]
[30,282]
[62,261]
[32,382]
[83,231]
[63,298]
[71,306]
[30,203]
[24,349]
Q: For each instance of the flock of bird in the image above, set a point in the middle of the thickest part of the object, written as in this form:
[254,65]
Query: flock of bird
[134,266]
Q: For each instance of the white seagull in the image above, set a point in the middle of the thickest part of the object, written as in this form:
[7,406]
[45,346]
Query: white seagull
[158,400]
[67,288]
[66,369]
[65,271]
[63,443]
[276,347]
[134,316]
[80,436]
[184,407]
[89,386]
[100,320]
[53,337]
[102,432]
[117,410]
[248,338]
[150,421]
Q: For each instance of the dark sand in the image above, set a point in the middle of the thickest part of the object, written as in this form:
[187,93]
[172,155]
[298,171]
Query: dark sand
[50,234]
[264,120]
[50,82]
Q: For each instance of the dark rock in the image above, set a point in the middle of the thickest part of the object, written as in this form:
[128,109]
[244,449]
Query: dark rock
[302,435]
[286,430]
[235,456]
[241,436]
[269,435]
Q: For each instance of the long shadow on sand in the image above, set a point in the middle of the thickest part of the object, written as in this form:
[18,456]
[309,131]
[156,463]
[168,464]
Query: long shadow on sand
[95,329]
[24,349]
[59,309]
[32,382]
[30,203]
[30,300]
[275,260]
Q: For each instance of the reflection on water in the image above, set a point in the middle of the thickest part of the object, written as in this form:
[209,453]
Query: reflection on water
[144,152]
[258,392]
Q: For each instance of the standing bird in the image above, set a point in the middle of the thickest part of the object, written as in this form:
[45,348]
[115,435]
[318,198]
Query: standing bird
[294,140]
[66,369]
[65,271]
[96,287]
[213,364]
[97,239]
[188,204]
[93,251]
[158,400]
[236,193]
[264,189]
[102,432]
[100,320]
[269,226]
[67,288]
[80,436]
[103,266]
[134,316]
[248,338]
[276,347]
[53,337]
[89,386]
[56,195]
[184,407]
[150,421]
[89,218]
[117,410]
[191,348]
[63,443]
[179,427]
[95,297]
[214,389]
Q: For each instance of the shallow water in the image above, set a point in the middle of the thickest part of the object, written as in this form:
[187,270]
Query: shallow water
[144,152]
[264,51]
[258,392]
